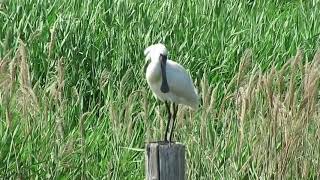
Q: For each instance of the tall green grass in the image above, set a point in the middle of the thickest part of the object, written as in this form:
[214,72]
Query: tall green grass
[75,103]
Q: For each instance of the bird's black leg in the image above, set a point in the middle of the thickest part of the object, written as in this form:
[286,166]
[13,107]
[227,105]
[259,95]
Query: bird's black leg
[175,110]
[169,119]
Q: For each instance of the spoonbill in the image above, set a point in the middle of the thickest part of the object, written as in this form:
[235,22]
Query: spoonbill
[170,83]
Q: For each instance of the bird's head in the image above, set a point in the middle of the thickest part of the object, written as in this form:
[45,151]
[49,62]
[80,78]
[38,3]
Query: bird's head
[155,52]
[158,53]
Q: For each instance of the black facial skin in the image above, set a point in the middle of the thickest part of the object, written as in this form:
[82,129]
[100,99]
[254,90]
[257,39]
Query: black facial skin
[164,85]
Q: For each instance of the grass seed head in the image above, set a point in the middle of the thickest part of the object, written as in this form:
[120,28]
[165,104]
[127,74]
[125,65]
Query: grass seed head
[24,67]
[52,40]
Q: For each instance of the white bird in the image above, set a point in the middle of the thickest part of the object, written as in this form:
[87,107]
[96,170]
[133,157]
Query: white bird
[169,82]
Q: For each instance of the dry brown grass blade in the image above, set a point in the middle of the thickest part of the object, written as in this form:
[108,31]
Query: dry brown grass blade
[159,121]
[114,120]
[286,127]
[245,63]
[206,90]
[268,85]
[205,87]
[35,35]
[128,109]
[24,67]
[241,118]
[104,79]
[124,80]
[310,87]
[211,108]
[145,108]
[291,92]
[4,77]
[7,39]
[251,86]
[13,74]
[52,40]
[28,99]
[6,87]
[3,66]
[5,90]
[241,94]
[244,101]
[60,127]
[281,78]
[82,120]
[60,79]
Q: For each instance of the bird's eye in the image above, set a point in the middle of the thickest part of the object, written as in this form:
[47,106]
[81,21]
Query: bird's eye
[163,57]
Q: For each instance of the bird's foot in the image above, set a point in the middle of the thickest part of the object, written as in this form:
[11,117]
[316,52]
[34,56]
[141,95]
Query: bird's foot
[165,141]
[168,142]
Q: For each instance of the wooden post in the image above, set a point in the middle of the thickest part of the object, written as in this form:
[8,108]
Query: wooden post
[164,161]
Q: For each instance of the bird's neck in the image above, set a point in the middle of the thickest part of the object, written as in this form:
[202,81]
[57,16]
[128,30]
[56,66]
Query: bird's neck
[154,71]
[156,66]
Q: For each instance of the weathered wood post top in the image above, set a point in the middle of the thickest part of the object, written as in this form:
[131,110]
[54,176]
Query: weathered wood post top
[164,161]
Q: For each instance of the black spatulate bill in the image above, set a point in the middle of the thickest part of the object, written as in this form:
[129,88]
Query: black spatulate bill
[164,85]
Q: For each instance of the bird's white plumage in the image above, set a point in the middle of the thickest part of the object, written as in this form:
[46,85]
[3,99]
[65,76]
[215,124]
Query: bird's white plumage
[181,88]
